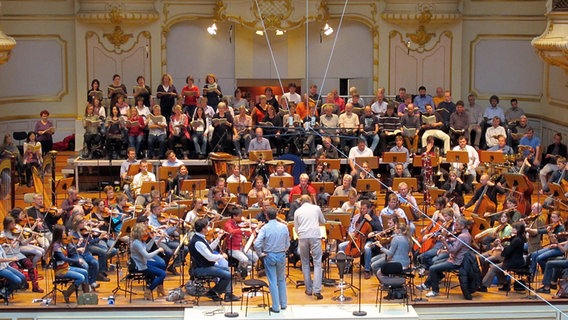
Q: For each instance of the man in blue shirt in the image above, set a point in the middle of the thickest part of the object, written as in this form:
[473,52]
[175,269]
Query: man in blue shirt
[534,143]
[493,111]
[422,99]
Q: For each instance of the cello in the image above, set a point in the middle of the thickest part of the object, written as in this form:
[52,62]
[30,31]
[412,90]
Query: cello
[522,192]
[484,203]
[357,242]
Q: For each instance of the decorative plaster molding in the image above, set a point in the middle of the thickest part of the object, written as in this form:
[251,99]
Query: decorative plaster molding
[7,43]
[552,45]
[116,13]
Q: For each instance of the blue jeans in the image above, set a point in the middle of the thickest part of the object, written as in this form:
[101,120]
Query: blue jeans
[274,265]
[135,141]
[551,269]
[374,141]
[368,255]
[224,275]
[100,250]
[15,278]
[437,274]
[311,246]
[92,266]
[80,275]
[540,257]
[161,139]
[199,142]
[157,272]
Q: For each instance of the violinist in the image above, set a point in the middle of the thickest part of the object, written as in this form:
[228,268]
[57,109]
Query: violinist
[512,259]
[166,235]
[492,242]
[393,209]
[398,251]
[85,238]
[457,249]
[431,245]
[141,177]
[219,185]
[119,214]
[541,256]
[67,262]
[70,206]
[407,198]
[366,215]
[110,200]
[175,184]
[100,231]
[535,227]
[236,228]
[351,205]
[12,249]
[511,208]
[146,261]
[15,279]
[28,243]
[218,203]
[45,220]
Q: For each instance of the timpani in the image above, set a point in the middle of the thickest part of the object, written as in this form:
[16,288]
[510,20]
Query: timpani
[248,167]
[219,161]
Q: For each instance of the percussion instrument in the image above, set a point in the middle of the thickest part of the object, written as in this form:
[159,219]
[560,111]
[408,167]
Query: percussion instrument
[248,168]
[219,161]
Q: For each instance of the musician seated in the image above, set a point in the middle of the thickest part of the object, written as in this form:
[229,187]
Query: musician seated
[365,173]
[468,169]
[110,200]
[553,152]
[366,215]
[558,176]
[488,188]
[399,249]
[148,261]
[84,239]
[143,176]
[328,151]
[457,250]
[428,151]
[100,216]
[260,197]
[553,271]
[393,209]
[352,205]
[203,262]
[345,187]
[164,237]
[15,248]
[175,184]
[259,143]
[45,220]
[502,146]
[539,257]
[492,248]
[258,186]
[171,159]
[125,179]
[237,176]
[399,147]
[431,251]
[120,213]
[512,259]
[70,206]
[236,228]
[219,185]
[302,188]
[29,242]
[279,194]
[454,188]
[360,150]
[15,279]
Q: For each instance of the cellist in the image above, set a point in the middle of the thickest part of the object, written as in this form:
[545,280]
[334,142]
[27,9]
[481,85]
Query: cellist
[486,194]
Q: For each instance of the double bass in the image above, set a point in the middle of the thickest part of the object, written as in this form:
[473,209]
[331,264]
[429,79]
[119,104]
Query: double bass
[356,244]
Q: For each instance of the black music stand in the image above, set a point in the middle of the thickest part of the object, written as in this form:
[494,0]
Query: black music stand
[293,236]
[195,186]
[395,157]
[125,229]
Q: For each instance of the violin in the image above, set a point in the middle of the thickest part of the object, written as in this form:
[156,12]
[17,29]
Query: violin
[3,239]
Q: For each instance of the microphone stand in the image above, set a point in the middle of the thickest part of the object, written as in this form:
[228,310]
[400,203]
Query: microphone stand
[359,312]
[231,313]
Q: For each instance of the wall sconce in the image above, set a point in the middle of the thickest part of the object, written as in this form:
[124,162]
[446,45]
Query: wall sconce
[325,31]
[280,32]
[212,29]
[259,32]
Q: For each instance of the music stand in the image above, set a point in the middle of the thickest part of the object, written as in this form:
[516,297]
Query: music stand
[259,155]
[492,157]
[177,211]
[337,201]
[251,213]
[394,157]
[373,162]
[324,187]
[457,156]
[417,161]
[134,168]
[515,180]
[196,186]
[343,218]
[62,186]
[411,182]
[332,163]
[368,185]
[148,186]
[280,182]
[165,173]
[557,190]
[435,193]
[237,187]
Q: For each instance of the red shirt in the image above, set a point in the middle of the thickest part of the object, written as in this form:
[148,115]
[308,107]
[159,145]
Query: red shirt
[235,235]
[190,100]
[298,190]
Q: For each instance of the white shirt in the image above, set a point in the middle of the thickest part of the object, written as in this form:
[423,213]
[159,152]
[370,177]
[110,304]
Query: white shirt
[296,98]
[139,178]
[355,152]
[473,159]
[379,108]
